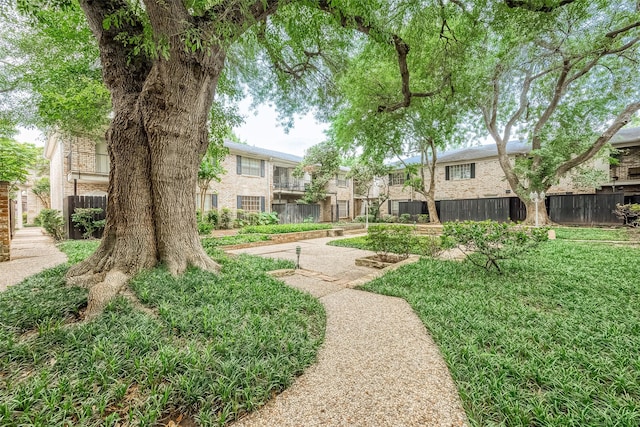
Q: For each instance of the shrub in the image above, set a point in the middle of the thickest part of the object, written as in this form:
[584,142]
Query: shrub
[52,222]
[423,218]
[405,218]
[212,217]
[389,218]
[226,218]
[630,213]
[391,239]
[363,218]
[430,246]
[86,220]
[488,242]
[204,228]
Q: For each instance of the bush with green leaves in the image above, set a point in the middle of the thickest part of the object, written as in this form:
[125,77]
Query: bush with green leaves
[629,213]
[389,218]
[226,219]
[488,242]
[405,218]
[386,240]
[86,219]
[423,218]
[52,222]
[363,218]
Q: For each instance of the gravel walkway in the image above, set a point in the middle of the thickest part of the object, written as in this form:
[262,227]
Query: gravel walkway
[31,252]
[378,365]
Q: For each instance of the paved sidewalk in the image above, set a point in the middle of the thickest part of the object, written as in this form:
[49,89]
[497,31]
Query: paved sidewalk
[378,365]
[31,252]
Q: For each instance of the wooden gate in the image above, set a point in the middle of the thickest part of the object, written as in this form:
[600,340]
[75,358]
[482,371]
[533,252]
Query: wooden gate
[73,202]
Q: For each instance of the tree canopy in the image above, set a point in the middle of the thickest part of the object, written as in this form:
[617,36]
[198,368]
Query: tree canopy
[16,159]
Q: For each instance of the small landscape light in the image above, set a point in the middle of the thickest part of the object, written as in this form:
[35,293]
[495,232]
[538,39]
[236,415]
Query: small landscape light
[298,250]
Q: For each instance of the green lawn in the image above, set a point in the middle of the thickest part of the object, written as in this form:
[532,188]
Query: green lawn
[219,346]
[589,233]
[554,341]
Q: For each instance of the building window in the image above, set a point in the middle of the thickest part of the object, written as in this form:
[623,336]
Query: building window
[458,172]
[249,166]
[102,158]
[394,207]
[343,208]
[251,203]
[214,201]
[341,180]
[397,178]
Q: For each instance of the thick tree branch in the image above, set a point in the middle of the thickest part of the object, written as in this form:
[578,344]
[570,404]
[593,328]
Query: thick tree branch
[615,33]
[402,51]
[122,71]
[620,121]
[555,100]
[535,7]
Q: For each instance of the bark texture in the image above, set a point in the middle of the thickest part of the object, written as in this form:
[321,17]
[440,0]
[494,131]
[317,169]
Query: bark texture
[156,141]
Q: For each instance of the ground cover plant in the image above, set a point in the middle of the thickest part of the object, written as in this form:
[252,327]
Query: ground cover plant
[590,233]
[552,341]
[207,348]
[283,228]
[238,239]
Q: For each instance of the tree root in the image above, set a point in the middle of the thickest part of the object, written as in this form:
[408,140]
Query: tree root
[101,293]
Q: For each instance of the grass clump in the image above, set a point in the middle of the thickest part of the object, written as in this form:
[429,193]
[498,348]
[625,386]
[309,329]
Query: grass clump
[219,346]
[283,228]
[550,342]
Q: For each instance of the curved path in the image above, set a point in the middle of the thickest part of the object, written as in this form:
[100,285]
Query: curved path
[378,365]
[31,252]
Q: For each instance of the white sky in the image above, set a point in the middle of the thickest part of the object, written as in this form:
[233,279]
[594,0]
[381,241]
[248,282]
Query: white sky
[260,130]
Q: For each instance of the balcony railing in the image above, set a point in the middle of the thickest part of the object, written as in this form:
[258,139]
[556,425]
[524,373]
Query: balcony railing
[291,185]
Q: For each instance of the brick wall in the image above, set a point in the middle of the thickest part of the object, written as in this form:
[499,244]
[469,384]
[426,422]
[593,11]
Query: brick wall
[5,231]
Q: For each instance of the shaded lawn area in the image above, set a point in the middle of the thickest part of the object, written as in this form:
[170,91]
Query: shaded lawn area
[220,345]
[554,341]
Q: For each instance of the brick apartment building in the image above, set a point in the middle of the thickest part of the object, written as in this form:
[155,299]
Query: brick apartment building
[474,173]
[256,179]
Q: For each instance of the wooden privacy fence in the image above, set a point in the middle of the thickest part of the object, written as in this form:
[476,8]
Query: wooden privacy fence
[571,209]
[73,202]
[585,209]
[294,213]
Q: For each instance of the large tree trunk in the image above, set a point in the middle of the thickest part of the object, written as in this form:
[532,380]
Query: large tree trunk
[542,216]
[156,141]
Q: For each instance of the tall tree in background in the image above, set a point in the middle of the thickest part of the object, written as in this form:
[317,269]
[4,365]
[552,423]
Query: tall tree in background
[409,103]
[321,161]
[369,181]
[564,78]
